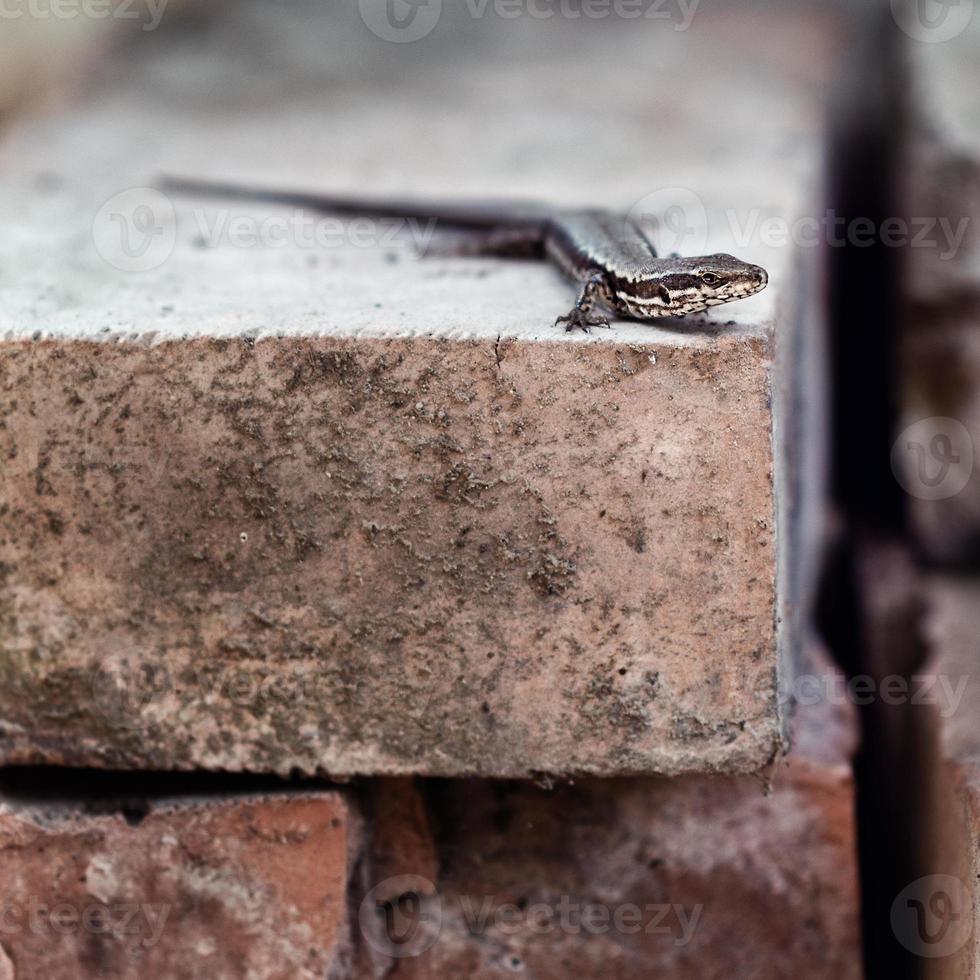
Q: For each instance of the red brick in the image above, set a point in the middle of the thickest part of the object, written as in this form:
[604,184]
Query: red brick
[401,837]
[243,887]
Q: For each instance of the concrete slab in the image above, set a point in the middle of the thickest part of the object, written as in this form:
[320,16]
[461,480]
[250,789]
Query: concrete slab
[274,505]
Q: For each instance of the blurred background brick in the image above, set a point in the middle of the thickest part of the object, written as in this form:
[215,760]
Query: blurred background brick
[224,888]
[938,441]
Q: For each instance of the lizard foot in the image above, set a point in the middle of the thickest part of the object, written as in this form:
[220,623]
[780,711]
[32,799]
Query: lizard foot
[582,319]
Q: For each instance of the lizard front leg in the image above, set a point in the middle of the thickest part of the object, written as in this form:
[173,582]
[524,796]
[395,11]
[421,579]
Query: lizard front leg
[584,314]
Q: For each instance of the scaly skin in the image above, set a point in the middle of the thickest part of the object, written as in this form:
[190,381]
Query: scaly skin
[619,269]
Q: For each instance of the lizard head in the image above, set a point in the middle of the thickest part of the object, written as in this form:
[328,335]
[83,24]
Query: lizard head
[691,285]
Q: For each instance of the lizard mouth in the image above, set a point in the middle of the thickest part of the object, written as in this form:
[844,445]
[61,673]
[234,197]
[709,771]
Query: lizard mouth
[662,303]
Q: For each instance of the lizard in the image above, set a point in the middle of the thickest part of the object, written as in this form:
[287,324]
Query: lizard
[608,254]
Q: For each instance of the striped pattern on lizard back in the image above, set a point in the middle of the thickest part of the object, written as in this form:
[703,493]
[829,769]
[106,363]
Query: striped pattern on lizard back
[581,242]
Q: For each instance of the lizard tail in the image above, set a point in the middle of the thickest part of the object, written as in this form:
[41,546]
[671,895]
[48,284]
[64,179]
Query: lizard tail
[489,215]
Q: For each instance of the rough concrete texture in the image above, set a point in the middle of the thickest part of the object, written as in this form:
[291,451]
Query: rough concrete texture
[941,341]
[242,889]
[340,552]
[948,843]
[271,507]
[693,877]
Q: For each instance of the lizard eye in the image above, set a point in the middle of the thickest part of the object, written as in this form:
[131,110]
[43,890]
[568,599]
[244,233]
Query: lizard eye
[710,279]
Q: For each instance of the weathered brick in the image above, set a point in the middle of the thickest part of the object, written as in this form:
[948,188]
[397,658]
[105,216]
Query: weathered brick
[271,508]
[247,887]
[937,917]
[693,877]
[374,526]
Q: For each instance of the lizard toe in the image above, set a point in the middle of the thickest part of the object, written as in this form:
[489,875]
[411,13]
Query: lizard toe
[579,319]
